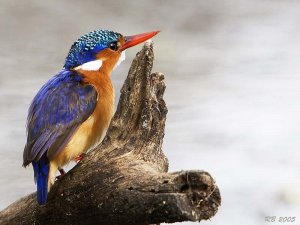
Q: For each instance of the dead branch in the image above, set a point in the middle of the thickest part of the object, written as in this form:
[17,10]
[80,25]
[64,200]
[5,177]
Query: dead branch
[124,180]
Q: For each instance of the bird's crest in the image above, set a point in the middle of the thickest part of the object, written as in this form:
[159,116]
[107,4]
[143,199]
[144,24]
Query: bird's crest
[87,46]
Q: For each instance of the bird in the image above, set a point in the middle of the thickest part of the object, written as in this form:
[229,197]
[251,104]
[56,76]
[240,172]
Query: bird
[71,112]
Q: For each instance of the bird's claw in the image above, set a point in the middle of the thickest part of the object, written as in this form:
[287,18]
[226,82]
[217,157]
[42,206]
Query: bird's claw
[78,158]
[62,173]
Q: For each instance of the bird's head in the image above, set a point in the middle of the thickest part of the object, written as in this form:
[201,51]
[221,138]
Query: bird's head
[100,47]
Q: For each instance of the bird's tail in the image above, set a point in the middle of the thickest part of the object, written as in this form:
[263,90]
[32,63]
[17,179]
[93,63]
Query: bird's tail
[41,172]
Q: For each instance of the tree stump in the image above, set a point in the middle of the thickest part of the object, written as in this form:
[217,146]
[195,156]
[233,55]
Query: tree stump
[124,180]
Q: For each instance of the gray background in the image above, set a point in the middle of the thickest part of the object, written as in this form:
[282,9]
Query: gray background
[232,75]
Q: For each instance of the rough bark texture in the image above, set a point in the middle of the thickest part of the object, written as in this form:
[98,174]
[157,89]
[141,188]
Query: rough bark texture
[124,180]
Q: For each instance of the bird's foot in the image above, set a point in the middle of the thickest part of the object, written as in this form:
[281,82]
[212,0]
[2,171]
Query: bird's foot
[79,157]
[62,173]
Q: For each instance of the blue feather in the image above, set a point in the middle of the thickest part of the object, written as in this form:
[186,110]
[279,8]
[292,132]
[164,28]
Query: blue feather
[61,105]
[41,172]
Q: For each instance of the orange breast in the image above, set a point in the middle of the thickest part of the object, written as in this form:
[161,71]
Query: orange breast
[92,131]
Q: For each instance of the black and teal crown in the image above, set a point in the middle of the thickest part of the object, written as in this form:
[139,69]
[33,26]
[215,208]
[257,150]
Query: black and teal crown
[87,46]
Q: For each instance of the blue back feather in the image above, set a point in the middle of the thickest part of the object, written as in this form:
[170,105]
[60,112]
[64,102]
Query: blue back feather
[61,105]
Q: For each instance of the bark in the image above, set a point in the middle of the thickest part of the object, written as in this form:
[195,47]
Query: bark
[124,180]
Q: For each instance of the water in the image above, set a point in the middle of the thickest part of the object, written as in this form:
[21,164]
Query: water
[232,76]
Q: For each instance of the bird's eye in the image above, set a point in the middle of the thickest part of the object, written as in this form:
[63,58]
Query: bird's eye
[114,46]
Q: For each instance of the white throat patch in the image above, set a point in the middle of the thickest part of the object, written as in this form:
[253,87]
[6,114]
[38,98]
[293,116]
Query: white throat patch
[121,59]
[92,65]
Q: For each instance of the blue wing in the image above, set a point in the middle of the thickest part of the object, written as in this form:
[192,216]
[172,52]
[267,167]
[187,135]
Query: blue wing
[61,105]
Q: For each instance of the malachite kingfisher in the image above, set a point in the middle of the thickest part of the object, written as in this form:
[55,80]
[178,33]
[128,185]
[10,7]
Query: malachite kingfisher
[72,111]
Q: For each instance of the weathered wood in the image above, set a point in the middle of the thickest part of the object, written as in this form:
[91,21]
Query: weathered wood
[124,180]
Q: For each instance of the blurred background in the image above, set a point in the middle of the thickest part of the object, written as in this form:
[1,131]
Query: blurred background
[233,89]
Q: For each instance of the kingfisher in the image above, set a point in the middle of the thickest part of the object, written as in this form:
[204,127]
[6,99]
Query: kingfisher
[71,113]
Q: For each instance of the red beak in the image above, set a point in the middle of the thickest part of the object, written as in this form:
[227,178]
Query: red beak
[137,39]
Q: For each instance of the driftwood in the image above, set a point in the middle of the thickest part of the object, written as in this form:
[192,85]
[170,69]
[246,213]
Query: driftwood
[124,180]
